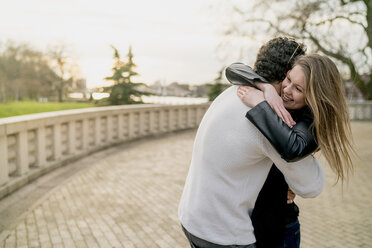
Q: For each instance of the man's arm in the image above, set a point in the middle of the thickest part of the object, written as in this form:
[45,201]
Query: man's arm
[305,178]
[241,74]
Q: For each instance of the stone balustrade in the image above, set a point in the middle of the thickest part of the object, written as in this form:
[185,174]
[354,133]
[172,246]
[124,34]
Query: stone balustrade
[32,145]
[360,110]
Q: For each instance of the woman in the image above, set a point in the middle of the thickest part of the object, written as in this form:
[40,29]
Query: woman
[313,92]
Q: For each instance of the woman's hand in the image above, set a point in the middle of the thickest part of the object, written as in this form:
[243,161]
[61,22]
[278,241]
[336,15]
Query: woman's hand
[276,103]
[250,96]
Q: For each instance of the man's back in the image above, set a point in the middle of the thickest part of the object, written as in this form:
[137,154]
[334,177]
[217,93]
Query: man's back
[226,173]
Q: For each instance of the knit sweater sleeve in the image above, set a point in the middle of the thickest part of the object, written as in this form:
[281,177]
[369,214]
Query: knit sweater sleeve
[305,177]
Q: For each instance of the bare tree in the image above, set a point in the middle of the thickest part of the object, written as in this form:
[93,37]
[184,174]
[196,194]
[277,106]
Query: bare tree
[65,68]
[24,72]
[341,29]
[27,73]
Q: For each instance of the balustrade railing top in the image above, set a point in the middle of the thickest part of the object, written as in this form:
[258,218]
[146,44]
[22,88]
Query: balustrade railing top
[360,110]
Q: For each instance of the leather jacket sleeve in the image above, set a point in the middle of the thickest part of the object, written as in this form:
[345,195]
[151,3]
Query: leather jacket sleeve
[293,143]
[241,74]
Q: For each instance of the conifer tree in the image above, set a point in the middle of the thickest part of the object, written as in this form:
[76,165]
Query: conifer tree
[124,89]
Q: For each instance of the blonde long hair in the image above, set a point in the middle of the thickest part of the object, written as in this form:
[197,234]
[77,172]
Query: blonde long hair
[324,95]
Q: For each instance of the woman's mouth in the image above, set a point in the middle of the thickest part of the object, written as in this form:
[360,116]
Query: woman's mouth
[286,98]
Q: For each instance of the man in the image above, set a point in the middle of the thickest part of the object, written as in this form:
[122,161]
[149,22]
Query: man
[231,160]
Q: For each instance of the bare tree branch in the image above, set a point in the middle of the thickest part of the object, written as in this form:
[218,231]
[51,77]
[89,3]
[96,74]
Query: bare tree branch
[340,17]
[310,20]
[346,60]
[336,55]
[238,10]
[364,55]
[343,2]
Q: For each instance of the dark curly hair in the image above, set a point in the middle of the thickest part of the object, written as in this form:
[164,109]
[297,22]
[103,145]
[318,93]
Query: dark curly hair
[276,57]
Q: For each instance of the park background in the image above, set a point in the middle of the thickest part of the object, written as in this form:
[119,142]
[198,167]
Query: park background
[112,176]
[80,51]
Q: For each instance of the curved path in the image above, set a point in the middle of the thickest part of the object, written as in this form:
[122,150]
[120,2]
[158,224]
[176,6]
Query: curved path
[127,196]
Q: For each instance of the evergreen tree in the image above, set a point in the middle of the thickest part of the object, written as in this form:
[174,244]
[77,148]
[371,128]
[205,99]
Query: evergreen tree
[124,90]
[217,87]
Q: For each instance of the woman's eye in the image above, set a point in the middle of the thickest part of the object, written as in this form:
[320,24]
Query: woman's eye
[299,89]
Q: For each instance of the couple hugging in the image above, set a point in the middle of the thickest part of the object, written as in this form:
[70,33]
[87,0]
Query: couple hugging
[253,149]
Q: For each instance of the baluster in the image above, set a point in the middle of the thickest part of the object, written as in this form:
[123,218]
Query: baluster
[120,127]
[179,124]
[4,169]
[152,121]
[142,124]
[171,120]
[131,124]
[22,153]
[41,147]
[85,134]
[161,121]
[57,141]
[109,127]
[71,138]
[97,133]
[189,117]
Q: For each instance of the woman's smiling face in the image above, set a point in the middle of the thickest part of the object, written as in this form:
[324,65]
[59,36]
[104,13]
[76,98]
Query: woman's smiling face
[293,89]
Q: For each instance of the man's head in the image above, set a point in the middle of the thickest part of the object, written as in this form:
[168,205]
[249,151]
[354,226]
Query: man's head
[276,57]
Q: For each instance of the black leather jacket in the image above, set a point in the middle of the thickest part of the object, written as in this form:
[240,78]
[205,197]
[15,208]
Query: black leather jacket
[271,212]
[293,143]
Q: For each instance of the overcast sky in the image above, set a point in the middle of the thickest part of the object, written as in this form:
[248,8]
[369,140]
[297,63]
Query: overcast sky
[171,40]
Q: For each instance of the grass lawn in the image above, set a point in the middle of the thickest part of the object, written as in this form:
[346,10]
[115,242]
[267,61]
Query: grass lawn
[30,107]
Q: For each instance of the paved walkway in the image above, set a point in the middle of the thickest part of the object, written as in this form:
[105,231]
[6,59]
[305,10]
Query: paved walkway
[127,196]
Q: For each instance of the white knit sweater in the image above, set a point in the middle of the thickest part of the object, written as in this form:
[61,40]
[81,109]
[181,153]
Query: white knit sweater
[230,162]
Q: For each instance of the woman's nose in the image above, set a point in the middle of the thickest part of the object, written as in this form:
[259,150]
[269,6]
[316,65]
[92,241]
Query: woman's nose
[286,90]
